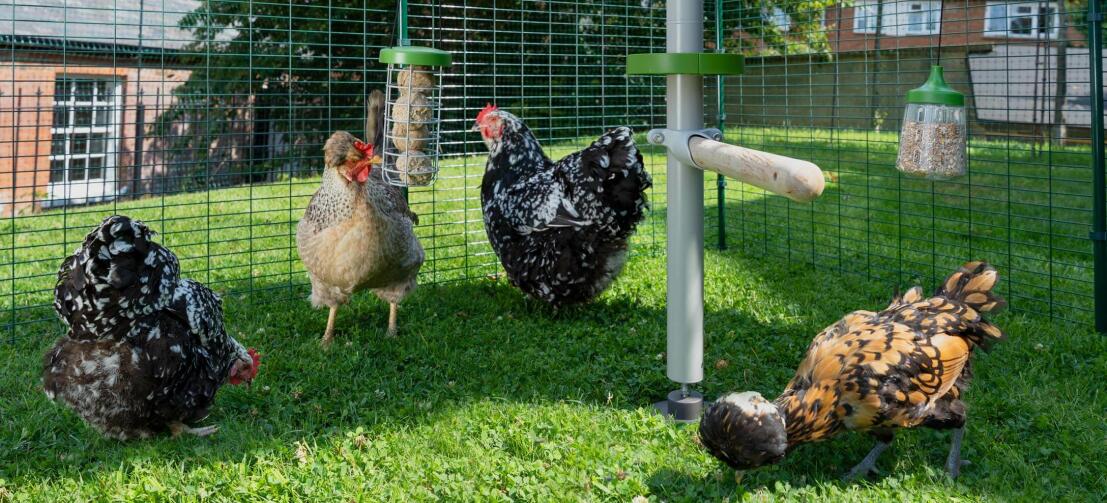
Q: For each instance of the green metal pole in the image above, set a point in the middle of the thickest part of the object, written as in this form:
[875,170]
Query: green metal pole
[1099,175]
[401,24]
[401,34]
[720,109]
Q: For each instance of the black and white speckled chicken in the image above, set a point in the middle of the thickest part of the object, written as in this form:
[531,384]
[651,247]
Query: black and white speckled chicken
[902,367]
[560,228]
[145,350]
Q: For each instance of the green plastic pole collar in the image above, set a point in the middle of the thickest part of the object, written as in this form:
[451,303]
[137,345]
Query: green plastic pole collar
[684,63]
[935,91]
[414,55]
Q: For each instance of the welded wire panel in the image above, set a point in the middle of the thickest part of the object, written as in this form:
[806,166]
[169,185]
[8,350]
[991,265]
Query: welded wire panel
[560,67]
[833,93]
[207,121]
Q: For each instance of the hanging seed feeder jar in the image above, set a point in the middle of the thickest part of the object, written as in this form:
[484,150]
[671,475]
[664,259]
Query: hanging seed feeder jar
[412,112]
[933,136]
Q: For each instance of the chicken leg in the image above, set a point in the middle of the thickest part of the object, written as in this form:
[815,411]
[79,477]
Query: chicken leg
[392,313]
[177,428]
[867,465]
[328,335]
[954,461]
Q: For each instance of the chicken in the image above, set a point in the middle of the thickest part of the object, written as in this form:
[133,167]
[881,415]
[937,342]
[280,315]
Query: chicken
[560,229]
[145,350]
[902,367]
[357,232]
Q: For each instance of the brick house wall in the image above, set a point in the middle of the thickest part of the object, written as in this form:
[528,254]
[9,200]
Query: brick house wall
[26,115]
[962,24]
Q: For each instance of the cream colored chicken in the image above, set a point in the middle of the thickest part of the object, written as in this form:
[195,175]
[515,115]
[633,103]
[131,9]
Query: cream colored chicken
[357,232]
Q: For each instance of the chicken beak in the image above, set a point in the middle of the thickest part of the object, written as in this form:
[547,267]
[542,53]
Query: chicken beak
[475,128]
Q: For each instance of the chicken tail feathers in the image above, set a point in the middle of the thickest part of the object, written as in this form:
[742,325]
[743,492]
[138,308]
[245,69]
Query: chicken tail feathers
[117,272]
[374,120]
[615,165]
[972,285]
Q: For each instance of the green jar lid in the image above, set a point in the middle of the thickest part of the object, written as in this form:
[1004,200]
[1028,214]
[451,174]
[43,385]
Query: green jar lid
[935,91]
[413,55]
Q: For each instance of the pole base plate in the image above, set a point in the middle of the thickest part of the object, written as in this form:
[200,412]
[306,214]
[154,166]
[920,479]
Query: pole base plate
[681,409]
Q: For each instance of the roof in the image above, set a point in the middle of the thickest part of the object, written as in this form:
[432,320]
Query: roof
[97,25]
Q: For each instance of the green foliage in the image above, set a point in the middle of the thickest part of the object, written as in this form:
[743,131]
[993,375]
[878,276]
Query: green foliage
[755,33]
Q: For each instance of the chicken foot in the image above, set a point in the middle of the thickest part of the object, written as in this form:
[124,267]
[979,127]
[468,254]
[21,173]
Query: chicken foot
[868,465]
[178,428]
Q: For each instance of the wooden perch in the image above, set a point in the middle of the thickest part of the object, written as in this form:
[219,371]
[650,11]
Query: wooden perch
[797,180]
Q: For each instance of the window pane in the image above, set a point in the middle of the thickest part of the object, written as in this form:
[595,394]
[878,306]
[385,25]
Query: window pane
[78,144]
[96,168]
[1046,18]
[82,117]
[103,90]
[57,171]
[57,144]
[61,90]
[103,116]
[997,18]
[98,143]
[61,116]
[84,90]
[76,170]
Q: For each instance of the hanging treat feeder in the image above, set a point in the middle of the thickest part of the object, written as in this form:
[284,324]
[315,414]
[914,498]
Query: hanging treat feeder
[412,113]
[933,136]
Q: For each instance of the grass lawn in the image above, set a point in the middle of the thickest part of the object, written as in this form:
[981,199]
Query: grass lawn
[487,396]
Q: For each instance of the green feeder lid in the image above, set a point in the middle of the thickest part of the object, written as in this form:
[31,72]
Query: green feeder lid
[935,91]
[413,55]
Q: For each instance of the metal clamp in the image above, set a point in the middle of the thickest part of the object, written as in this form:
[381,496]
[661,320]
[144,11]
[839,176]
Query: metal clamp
[1098,236]
[676,141]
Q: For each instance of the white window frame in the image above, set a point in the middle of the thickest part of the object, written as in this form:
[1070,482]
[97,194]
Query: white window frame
[66,191]
[897,16]
[864,11]
[1011,13]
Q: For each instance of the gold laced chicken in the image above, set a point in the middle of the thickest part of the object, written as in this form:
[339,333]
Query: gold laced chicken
[876,372]
[357,232]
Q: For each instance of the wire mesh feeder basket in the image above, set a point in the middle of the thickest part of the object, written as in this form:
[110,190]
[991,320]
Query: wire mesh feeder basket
[933,136]
[412,111]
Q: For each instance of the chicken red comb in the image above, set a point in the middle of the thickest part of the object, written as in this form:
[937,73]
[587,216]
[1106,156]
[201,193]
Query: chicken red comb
[364,148]
[485,111]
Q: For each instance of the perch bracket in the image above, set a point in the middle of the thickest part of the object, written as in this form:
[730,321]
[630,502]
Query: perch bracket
[676,141]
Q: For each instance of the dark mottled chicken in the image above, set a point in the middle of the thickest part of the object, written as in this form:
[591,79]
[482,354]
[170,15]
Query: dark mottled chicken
[145,350]
[560,228]
[358,232]
[902,367]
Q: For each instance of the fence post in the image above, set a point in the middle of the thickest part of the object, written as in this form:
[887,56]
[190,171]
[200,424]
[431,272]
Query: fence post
[140,140]
[720,111]
[1099,176]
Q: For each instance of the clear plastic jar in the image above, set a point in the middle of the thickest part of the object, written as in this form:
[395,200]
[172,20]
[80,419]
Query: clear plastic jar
[932,141]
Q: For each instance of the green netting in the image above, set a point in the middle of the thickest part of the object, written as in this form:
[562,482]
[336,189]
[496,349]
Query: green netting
[206,119]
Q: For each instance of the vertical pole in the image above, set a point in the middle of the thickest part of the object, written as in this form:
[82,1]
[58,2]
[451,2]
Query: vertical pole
[1099,190]
[402,37]
[401,24]
[720,117]
[140,139]
[684,96]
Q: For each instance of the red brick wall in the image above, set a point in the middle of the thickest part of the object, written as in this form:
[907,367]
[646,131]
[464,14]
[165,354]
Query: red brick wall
[26,113]
[962,24]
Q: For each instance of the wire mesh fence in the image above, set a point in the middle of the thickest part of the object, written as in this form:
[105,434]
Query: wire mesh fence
[207,118]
